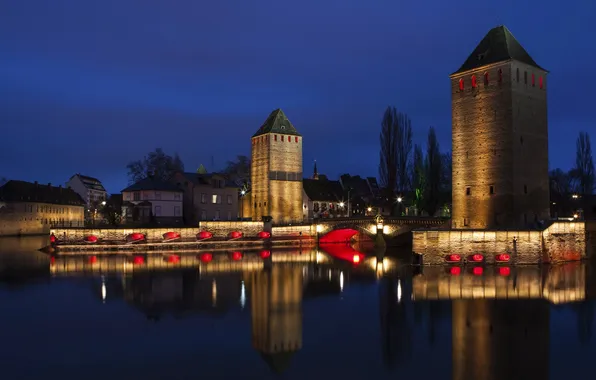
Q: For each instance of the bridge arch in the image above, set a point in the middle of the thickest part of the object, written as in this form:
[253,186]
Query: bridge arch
[344,233]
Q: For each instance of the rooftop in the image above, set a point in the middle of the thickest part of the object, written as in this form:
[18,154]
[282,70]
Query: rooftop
[205,179]
[152,184]
[277,122]
[498,45]
[22,191]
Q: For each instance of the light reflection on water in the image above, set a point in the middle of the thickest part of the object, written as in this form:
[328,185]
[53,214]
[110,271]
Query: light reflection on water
[303,313]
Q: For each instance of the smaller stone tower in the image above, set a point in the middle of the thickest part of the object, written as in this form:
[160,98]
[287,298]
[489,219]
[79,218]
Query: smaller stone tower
[315,174]
[276,170]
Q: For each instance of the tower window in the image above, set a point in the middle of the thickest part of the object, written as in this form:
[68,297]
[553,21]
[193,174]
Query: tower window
[525,77]
[540,83]
[525,189]
[486,78]
[500,76]
[282,137]
[473,81]
[533,80]
[466,222]
[517,74]
[461,84]
[275,137]
[468,191]
[491,190]
[296,138]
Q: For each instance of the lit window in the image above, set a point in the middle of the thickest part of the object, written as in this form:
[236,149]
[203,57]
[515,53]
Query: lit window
[540,83]
[486,78]
[296,138]
[214,198]
[473,81]
[461,84]
[533,80]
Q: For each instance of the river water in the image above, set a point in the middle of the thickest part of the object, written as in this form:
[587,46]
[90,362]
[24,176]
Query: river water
[296,313]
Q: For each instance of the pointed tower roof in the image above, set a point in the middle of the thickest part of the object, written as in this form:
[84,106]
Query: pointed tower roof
[201,170]
[498,45]
[277,122]
[315,174]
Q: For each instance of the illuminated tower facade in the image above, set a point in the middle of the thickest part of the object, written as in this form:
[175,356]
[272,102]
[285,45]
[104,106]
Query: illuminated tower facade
[276,307]
[499,136]
[276,170]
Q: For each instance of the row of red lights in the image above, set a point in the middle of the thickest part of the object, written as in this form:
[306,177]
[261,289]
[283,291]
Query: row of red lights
[478,271]
[503,257]
[265,139]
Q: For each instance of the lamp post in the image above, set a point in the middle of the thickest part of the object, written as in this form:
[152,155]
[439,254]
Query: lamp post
[399,201]
[242,194]
[350,189]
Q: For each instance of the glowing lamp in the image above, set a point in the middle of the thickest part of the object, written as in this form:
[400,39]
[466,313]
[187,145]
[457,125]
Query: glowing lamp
[236,255]
[204,235]
[454,258]
[206,257]
[52,261]
[92,259]
[52,238]
[265,254]
[369,209]
[504,271]
[503,257]
[90,239]
[477,271]
[477,257]
[135,237]
[356,259]
[264,235]
[235,235]
[455,271]
[173,259]
[138,260]
[171,236]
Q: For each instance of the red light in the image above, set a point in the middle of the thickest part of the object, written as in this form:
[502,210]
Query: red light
[173,259]
[235,234]
[206,257]
[204,235]
[52,238]
[264,235]
[171,236]
[356,259]
[135,237]
[91,239]
[236,255]
[138,260]
[477,271]
[504,271]
[474,81]
[265,254]
[503,257]
[461,84]
[454,258]
[92,259]
[455,271]
[52,261]
[477,257]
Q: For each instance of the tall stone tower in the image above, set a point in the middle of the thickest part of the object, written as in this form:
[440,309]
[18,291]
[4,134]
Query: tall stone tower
[499,136]
[276,170]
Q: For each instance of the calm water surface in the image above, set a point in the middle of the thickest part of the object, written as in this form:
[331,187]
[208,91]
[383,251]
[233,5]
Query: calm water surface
[299,314]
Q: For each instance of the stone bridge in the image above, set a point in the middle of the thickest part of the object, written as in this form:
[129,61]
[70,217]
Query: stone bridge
[344,229]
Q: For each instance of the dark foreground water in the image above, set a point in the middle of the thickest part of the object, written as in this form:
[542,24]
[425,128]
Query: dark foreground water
[297,314]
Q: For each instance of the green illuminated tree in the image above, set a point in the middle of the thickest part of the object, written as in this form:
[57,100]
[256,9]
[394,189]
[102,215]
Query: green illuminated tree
[156,164]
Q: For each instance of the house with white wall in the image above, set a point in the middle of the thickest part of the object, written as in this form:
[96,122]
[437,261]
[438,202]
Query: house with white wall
[152,201]
[90,189]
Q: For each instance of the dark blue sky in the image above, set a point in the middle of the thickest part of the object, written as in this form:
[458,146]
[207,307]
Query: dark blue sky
[89,86]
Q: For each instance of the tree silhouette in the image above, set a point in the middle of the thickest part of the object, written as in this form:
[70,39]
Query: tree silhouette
[584,164]
[157,164]
[433,173]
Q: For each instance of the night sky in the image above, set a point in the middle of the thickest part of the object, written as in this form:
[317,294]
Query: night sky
[87,86]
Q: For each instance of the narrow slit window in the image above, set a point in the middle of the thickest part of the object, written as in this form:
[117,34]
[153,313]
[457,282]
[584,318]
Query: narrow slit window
[468,191]
[275,137]
[473,81]
[461,84]
[282,137]
[296,138]
[525,77]
[486,78]
[540,83]
[517,74]
[491,190]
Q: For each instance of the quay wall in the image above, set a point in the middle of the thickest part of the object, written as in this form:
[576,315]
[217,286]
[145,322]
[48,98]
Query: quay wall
[15,225]
[561,241]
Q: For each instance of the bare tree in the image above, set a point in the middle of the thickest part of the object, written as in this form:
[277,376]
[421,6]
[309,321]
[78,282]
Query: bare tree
[239,170]
[388,158]
[157,164]
[403,127]
[584,164]
[433,173]
[418,177]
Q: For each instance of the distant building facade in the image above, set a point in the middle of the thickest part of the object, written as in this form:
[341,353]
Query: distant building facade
[208,197]
[152,201]
[323,198]
[276,170]
[89,188]
[33,208]
[499,136]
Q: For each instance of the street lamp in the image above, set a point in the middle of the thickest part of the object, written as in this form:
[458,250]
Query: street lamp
[242,193]
[341,204]
[103,203]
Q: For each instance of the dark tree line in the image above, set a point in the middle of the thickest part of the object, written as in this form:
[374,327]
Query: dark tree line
[426,176]
[156,164]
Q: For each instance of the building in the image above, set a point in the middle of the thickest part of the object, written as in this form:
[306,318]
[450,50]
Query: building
[152,201]
[89,188]
[323,198]
[499,136]
[276,170]
[208,197]
[33,208]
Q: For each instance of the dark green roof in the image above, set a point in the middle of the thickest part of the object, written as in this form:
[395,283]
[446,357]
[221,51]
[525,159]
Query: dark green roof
[497,46]
[322,190]
[278,362]
[277,122]
[153,184]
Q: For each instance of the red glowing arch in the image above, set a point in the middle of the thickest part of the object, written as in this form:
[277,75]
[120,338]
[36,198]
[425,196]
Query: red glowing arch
[343,235]
[343,252]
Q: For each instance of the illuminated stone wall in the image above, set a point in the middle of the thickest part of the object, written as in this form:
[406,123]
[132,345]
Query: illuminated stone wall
[499,139]
[307,230]
[259,171]
[562,241]
[222,229]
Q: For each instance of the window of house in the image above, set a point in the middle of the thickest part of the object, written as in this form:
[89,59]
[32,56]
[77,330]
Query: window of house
[466,222]
[136,196]
[525,77]
[264,204]
[461,84]
[491,190]
[229,215]
[157,210]
[203,215]
[468,191]
[216,215]
[203,198]
[525,189]
[229,199]
[500,75]
[486,78]
[214,198]
[176,196]
[157,195]
[533,80]
[473,81]
[176,210]
[517,74]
